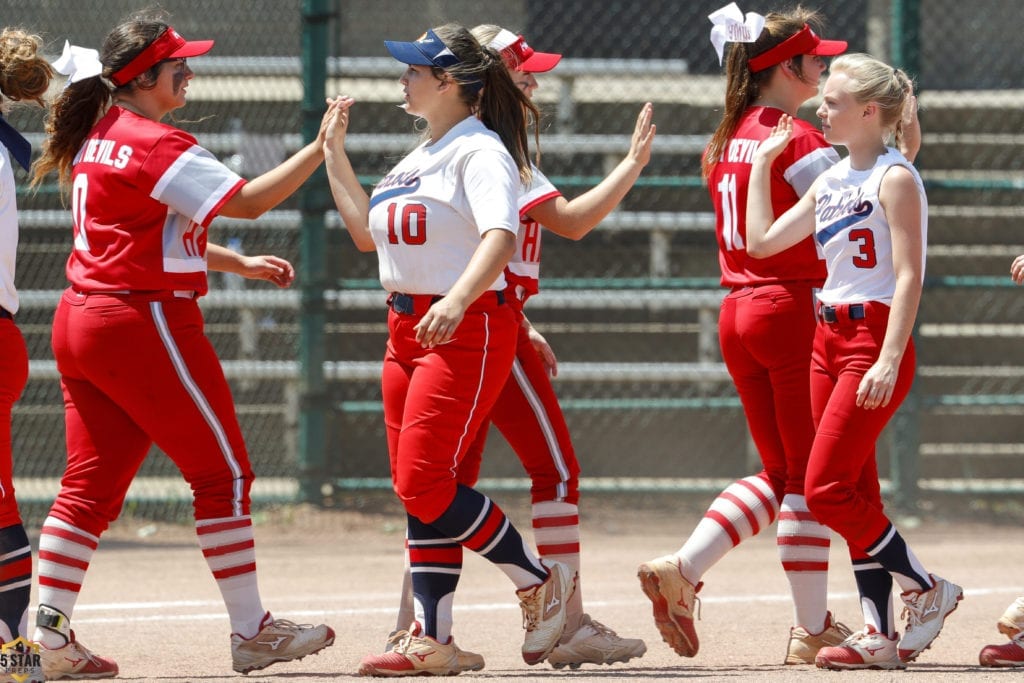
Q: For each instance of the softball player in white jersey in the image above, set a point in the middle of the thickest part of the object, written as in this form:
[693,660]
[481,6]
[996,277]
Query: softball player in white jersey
[527,412]
[28,76]
[869,214]
[443,224]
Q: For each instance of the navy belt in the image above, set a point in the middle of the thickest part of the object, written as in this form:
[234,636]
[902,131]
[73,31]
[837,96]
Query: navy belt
[406,303]
[4,313]
[830,314]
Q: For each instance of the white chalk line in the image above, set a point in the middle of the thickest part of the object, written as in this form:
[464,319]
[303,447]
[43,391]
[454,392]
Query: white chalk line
[173,610]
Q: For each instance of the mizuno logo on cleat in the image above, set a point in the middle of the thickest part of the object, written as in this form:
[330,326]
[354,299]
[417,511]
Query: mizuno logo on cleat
[932,609]
[273,644]
[872,650]
[422,657]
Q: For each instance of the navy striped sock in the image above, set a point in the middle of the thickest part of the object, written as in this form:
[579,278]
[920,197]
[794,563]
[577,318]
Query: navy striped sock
[15,579]
[435,561]
[892,552]
[477,523]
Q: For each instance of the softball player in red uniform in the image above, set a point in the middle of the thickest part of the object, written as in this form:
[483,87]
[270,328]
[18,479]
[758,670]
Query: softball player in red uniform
[869,215]
[443,223]
[136,368]
[766,327]
[527,412]
[27,78]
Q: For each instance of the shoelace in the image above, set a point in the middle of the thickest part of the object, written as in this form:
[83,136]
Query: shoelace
[855,637]
[290,625]
[844,630]
[603,630]
[394,638]
[404,643]
[531,611]
[912,615]
[85,652]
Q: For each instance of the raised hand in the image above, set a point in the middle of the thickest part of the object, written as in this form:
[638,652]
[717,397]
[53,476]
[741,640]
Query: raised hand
[773,145]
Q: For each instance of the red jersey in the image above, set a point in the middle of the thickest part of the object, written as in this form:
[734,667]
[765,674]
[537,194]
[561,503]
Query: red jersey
[523,270]
[806,156]
[143,194]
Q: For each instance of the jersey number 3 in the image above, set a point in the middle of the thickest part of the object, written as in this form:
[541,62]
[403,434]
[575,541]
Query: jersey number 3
[410,227]
[866,239]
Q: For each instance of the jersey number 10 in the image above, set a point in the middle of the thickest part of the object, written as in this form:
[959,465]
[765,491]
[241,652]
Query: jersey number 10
[413,224]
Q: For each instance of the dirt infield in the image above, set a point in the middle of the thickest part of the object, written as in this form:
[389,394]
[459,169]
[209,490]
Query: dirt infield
[150,602]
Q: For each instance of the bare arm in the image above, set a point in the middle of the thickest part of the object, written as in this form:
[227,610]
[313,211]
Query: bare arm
[910,125]
[575,218]
[264,267]
[350,198]
[488,261]
[900,200]
[544,350]
[766,235]
[265,192]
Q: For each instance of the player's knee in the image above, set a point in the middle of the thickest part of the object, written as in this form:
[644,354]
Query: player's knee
[824,501]
[426,503]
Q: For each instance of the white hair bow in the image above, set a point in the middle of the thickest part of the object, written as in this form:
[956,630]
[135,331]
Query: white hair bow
[731,26]
[78,63]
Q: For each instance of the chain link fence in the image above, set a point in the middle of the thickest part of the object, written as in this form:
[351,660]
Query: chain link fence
[631,310]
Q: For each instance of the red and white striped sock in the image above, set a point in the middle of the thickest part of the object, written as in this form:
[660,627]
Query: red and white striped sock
[65,552]
[230,551]
[556,530]
[740,511]
[803,544]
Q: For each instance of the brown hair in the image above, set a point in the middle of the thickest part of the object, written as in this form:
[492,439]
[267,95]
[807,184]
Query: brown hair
[743,86]
[486,87]
[24,74]
[75,111]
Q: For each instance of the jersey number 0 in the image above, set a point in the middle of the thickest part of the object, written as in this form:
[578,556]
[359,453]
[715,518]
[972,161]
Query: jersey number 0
[412,224]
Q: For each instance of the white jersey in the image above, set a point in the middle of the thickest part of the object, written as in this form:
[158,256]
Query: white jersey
[523,270]
[427,216]
[853,232]
[8,233]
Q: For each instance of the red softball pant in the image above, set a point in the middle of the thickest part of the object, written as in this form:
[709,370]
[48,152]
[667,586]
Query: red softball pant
[136,370]
[766,334]
[842,476]
[13,376]
[528,415]
[436,399]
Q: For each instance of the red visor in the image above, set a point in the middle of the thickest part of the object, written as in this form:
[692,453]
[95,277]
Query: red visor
[170,45]
[521,57]
[803,42]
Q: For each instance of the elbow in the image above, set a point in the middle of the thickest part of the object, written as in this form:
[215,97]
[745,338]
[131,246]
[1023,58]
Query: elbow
[756,250]
[246,210]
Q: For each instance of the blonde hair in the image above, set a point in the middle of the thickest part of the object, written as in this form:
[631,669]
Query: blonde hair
[485,33]
[872,80]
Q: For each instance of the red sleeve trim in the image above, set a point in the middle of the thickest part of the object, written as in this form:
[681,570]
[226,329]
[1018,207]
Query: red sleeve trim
[525,211]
